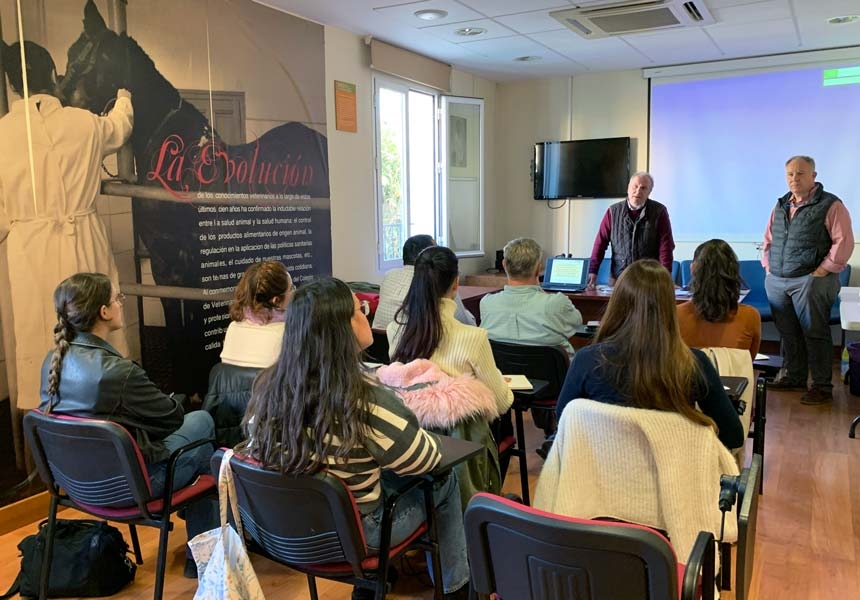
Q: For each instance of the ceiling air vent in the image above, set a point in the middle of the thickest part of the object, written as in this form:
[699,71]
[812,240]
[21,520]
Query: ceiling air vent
[602,19]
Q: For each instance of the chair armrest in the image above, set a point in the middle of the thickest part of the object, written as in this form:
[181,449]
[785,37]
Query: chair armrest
[171,466]
[701,560]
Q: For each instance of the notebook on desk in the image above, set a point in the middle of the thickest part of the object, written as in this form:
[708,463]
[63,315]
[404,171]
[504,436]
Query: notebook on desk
[565,274]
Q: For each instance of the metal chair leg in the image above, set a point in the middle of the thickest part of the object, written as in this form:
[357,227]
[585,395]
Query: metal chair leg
[161,562]
[49,549]
[521,449]
[853,427]
[135,543]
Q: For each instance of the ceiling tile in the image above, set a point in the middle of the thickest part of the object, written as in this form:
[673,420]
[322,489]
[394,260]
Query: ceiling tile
[690,44]
[492,8]
[747,13]
[448,31]
[613,51]
[530,22]
[406,12]
[755,39]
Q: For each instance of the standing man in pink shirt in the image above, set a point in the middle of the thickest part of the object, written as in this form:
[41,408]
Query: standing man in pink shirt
[807,242]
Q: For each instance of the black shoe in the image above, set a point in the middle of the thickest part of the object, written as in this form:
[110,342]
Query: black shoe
[359,593]
[785,384]
[190,571]
[543,450]
[817,396]
[513,497]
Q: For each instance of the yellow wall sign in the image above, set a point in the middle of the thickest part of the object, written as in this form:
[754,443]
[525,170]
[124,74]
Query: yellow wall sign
[345,116]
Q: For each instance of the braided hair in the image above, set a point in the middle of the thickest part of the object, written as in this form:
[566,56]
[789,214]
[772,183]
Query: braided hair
[78,301]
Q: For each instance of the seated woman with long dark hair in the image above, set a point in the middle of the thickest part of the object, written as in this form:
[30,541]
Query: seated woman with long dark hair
[85,376]
[713,316]
[425,326]
[252,343]
[638,358]
[315,408]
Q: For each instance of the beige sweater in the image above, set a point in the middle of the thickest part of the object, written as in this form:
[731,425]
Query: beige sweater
[463,350]
[650,467]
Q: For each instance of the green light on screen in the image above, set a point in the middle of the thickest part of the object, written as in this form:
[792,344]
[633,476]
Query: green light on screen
[845,76]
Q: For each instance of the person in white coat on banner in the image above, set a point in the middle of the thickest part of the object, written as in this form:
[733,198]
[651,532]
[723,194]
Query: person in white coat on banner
[49,180]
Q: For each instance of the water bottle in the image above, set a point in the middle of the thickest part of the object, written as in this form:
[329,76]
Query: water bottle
[844,366]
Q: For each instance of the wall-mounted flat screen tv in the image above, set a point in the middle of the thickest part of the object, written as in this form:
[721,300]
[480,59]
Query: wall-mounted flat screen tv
[582,168]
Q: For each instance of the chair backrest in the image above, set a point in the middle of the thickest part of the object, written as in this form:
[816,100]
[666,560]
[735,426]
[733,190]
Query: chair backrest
[524,553]
[604,272]
[752,274]
[686,272]
[651,467]
[548,363]
[96,463]
[676,272]
[748,494]
[299,520]
[378,350]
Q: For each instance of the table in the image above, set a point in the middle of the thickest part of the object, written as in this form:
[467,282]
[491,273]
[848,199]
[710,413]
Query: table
[454,451]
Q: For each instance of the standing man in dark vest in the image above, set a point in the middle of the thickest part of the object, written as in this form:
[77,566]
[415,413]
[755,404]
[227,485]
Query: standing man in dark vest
[808,241]
[636,228]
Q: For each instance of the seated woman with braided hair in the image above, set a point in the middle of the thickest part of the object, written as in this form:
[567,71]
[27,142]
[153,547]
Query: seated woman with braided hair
[84,376]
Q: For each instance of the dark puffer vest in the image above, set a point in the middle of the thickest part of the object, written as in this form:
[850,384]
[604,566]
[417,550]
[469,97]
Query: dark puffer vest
[634,239]
[800,244]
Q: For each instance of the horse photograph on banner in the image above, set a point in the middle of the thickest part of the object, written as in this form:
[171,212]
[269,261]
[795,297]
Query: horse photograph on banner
[228,205]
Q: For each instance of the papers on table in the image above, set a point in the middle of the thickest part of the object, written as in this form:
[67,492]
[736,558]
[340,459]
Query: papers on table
[761,356]
[518,382]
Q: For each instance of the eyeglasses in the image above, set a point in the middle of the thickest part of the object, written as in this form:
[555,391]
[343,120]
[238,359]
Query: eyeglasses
[120,297]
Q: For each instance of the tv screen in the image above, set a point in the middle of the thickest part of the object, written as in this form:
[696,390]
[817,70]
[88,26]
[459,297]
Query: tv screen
[582,168]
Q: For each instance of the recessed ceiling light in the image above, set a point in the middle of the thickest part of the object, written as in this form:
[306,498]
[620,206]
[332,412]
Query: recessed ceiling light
[527,58]
[470,31]
[431,14]
[843,19]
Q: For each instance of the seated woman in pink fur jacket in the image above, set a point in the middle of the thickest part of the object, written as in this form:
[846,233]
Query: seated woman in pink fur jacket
[459,406]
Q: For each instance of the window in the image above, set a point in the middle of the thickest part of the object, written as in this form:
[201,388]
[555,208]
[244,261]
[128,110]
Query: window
[429,160]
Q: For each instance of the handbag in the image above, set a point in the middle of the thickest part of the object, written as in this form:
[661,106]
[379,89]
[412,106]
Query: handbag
[222,560]
[89,558]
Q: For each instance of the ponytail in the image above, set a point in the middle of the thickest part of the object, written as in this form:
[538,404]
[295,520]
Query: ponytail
[77,301]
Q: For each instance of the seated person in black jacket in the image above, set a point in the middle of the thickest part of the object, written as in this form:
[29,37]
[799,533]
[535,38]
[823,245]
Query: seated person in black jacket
[85,376]
[252,343]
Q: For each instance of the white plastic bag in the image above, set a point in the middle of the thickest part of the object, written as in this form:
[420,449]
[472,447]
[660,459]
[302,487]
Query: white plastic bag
[222,561]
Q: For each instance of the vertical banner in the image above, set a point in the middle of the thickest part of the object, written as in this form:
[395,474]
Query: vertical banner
[229,126]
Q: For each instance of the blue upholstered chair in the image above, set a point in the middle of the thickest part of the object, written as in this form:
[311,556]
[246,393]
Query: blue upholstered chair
[753,275]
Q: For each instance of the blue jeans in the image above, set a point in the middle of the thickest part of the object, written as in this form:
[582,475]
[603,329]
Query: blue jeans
[801,313]
[202,515]
[408,516]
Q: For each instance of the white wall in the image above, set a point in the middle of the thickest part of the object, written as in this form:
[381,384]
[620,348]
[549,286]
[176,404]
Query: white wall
[588,106]
[351,163]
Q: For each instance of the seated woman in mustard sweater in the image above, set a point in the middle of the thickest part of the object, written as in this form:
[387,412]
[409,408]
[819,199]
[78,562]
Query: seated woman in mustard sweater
[713,316]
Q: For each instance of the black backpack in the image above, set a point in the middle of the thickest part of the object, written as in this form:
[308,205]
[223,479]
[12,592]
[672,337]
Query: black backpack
[90,558]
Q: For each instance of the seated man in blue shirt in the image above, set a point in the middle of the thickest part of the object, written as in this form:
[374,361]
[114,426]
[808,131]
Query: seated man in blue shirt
[522,313]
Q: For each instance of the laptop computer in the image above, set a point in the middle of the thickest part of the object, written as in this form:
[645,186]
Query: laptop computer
[565,274]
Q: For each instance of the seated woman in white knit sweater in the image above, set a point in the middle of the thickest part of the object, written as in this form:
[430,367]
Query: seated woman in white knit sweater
[252,343]
[425,326]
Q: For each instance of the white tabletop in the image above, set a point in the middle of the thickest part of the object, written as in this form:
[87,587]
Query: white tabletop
[849,308]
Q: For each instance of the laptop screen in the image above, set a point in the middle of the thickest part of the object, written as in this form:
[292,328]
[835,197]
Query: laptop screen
[566,271]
